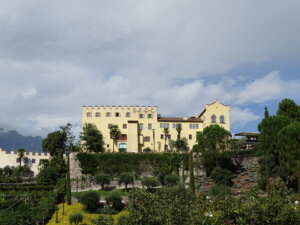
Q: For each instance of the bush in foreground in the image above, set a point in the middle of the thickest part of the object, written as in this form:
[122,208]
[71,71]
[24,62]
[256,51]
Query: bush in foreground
[103,220]
[114,198]
[172,180]
[221,176]
[90,200]
[76,218]
[217,190]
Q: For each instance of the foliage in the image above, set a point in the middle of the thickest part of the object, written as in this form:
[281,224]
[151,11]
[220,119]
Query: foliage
[102,179]
[115,164]
[26,208]
[92,138]
[147,150]
[172,179]
[76,218]
[126,178]
[287,107]
[289,145]
[54,143]
[51,174]
[77,207]
[90,200]
[114,198]
[115,133]
[178,206]
[150,182]
[216,190]
[221,176]
[181,145]
[107,210]
[104,220]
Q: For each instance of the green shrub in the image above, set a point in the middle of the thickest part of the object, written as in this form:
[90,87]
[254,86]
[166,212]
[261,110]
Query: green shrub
[114,198]
[76,218]
[103,220]
[102,179]
[90,200]
[217,190]
[126,178]
[107,210]
[172,179]
[221,176]
[147,150]
[150,182]
[125,220]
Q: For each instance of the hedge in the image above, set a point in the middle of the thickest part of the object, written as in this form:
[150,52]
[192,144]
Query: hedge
[138,164]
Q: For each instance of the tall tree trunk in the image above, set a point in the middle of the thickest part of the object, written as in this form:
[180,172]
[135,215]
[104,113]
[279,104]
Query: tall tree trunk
[114,145]
[68,184]
[191,168]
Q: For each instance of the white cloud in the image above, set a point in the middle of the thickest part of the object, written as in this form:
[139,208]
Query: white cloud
[240,117]
[56,56]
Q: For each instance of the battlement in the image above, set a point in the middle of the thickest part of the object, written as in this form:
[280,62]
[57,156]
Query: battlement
[26,154]
[122,108]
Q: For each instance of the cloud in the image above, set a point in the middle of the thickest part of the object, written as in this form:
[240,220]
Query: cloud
[56,56]
[240,117]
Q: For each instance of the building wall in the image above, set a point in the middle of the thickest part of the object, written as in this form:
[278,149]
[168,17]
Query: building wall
[152,135]
[31,159]
[218,109]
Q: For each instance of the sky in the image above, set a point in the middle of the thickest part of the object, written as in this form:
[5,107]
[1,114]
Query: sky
[56,56]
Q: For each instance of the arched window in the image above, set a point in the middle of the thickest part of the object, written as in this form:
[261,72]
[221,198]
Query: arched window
[213,118]
[222,119]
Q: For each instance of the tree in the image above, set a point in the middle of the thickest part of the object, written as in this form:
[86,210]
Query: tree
[166,133]
[114,198]
[181,145]
[266,112]
[102,179]
[150,182]
[21,153]
[54,143]
[172,179]
[92,138]
[90,200]
[289,144]
[287,107]
[191,169]
[126,178]
[178,129]
[115,134]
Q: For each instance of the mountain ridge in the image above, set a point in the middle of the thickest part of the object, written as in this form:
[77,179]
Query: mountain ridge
[12,140]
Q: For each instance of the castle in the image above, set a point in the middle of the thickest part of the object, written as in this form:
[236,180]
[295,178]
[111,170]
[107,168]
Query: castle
[142,127]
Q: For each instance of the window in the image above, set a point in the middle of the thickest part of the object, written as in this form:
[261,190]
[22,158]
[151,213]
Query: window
[128,114]
[108,114]
[149,126]
[161,136]
[169,136]
[222,119]
[97,114]
[88,114]
[193,126]
[164,125]
[109,126]
[117,114]
[124,126]
[147,139]
[141,116]
[149,116]
[213,118]
[18,160]
[33,161]
[190,137]
[141,126]
[175,125]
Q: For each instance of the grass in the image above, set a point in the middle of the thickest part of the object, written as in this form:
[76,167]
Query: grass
[74,208]
[103,193]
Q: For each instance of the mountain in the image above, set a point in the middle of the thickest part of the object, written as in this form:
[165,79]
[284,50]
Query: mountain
[12,140]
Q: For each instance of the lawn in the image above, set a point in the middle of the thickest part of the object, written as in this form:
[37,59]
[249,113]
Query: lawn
[77,207]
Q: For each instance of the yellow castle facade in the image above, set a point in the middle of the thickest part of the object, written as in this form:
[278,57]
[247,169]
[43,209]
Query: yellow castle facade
[143,127]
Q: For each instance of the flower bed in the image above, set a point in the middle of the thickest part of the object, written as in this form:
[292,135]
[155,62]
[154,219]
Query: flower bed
[77,207]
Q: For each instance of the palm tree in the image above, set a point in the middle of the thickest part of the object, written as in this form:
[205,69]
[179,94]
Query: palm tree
[21,153]
[178,129]
[166,133]
[115,133]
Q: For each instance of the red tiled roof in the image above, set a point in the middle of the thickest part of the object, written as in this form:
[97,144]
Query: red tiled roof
[179,119]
